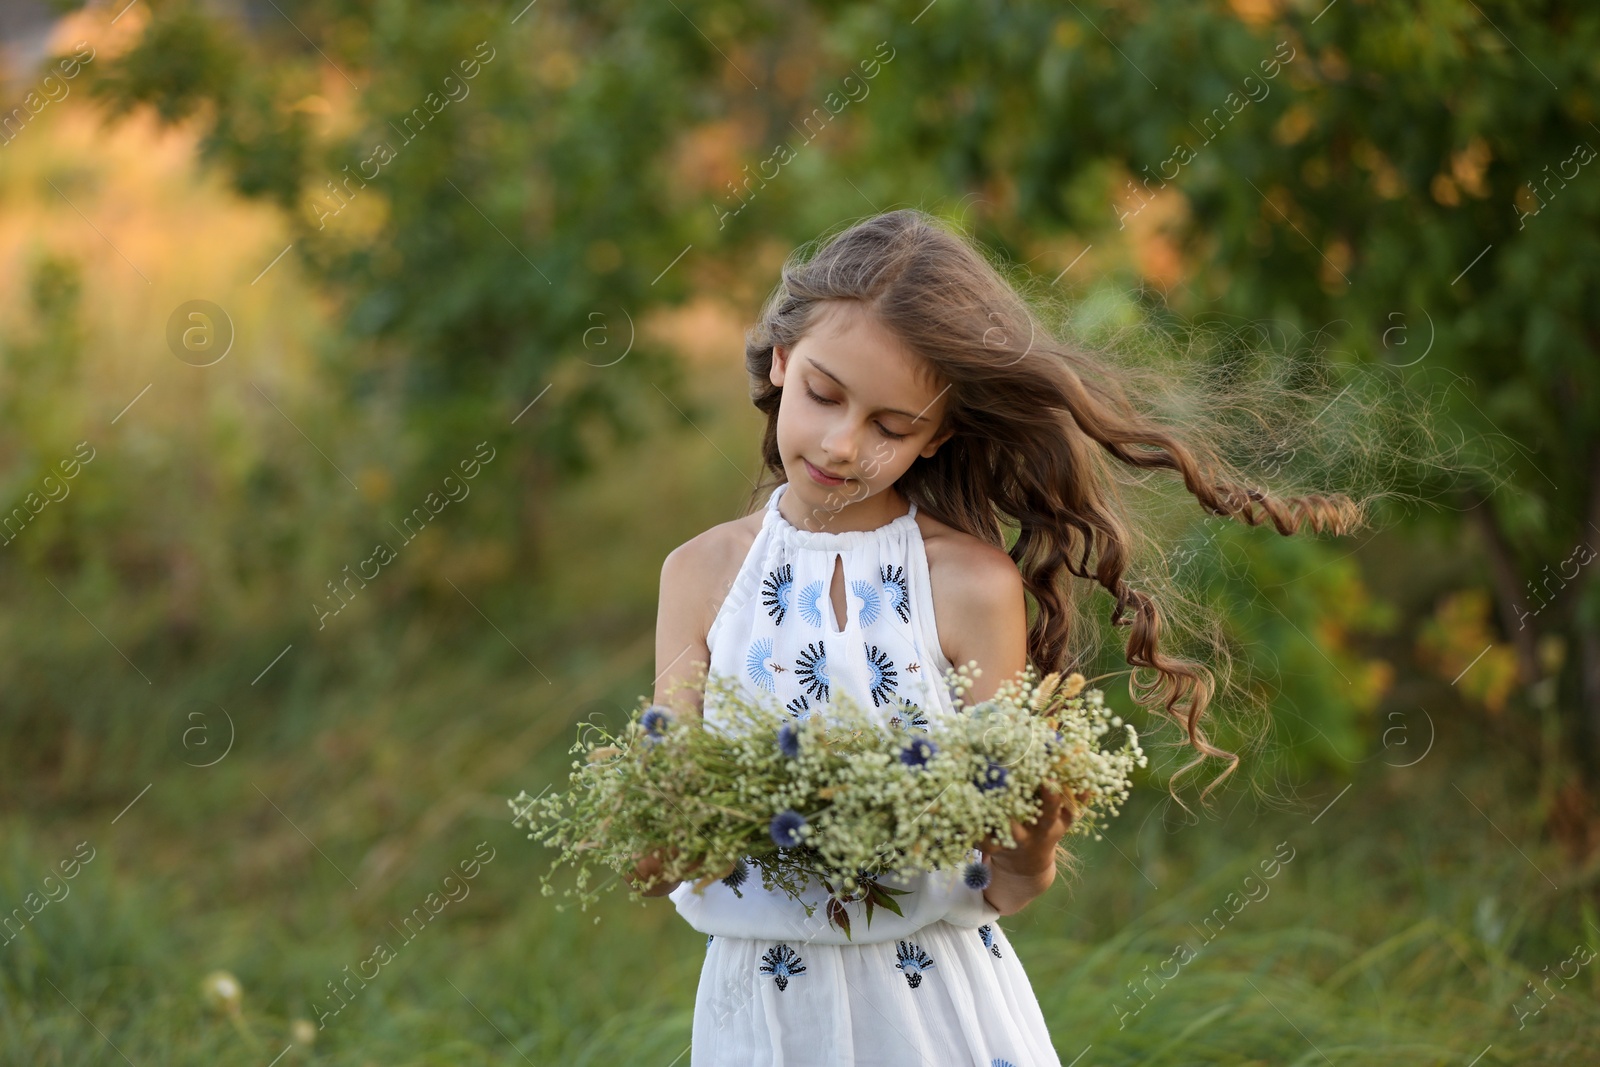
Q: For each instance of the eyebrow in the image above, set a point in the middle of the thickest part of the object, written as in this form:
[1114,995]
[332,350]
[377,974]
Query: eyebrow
[892,411]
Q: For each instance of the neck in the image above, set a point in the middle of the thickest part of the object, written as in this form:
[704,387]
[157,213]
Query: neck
[828,512]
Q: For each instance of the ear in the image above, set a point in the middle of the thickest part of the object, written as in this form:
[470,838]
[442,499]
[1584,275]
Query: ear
[934,442]
[780,365]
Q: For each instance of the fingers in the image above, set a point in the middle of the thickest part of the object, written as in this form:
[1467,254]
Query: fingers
[644,873]
[647,878]
[991,844]
[1058,811]
[1051,803]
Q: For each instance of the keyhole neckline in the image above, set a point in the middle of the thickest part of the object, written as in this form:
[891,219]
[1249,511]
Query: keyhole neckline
[836,565]
[836,540]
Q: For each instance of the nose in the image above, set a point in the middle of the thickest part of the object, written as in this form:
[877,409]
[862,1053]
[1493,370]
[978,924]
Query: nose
[840,443]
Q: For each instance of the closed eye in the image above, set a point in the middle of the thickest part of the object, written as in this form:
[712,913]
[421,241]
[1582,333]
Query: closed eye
[881,429]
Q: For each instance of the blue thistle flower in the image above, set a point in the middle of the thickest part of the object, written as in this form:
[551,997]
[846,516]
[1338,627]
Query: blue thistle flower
[736,877]
[789,740]
[976,875]
[918,752]
[991,777]
[655,720]
[786,827]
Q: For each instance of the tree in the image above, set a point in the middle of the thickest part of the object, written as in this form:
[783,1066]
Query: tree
[1416,190]
[1418,187]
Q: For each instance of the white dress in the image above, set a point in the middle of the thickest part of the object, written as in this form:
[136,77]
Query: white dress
[939,986]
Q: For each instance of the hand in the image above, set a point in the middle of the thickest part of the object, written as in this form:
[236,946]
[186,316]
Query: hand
[1035,849]
[648,869]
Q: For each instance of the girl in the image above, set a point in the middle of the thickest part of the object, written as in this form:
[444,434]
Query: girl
[912,403]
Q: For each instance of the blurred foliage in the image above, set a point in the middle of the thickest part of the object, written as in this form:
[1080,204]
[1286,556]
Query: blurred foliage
[1455,638]
[575,165]
[1312,621]
[1415,186]
[471,267]
[41,359]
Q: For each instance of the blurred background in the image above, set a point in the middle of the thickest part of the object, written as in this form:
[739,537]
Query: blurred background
[360,362]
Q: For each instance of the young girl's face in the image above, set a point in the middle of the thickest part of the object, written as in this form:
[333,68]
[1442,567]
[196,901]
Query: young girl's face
[856,405]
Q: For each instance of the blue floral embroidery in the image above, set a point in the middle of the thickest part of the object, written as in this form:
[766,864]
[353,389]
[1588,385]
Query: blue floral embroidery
[913,961]
[893,578]
[811,604]
[883,675]
[756,663]
[777,589]
[918,719]
[782,963]
[708,939]
[812,669]
[987,933]
[998,1062]
[799,707]
[871,601]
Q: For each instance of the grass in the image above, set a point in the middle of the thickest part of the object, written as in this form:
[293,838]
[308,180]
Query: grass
[1399,927]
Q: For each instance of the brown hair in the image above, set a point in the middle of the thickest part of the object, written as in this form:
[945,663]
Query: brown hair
[1037,421]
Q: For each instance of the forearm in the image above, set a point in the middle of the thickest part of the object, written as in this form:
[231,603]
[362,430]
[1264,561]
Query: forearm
[1011,890]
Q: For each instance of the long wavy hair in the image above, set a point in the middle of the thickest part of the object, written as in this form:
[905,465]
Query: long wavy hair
[1045,431]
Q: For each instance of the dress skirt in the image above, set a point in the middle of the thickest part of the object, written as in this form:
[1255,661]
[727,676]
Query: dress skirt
[946,996]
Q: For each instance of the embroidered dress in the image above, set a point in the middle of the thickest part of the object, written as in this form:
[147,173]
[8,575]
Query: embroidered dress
[938,986]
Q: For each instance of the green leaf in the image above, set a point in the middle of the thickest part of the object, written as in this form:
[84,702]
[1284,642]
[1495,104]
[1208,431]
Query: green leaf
[880,894]
[838,916]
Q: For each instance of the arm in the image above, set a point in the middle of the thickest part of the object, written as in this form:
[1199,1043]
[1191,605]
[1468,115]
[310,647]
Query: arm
[1020,874]
[680,649]
[681,626]
[983,616]
[983,598]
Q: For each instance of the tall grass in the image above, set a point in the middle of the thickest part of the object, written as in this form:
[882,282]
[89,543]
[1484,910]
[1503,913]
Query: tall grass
[1402,930]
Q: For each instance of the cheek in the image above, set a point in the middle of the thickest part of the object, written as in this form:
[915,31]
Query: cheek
[798,422]
[886,460]
[792,425]
[905,454]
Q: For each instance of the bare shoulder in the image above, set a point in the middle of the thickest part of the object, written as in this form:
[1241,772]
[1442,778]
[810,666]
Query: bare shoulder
[977,598]
[957,558]
[710,560]
[695,579]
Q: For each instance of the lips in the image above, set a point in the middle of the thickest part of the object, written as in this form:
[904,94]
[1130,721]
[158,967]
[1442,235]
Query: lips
[821,475]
